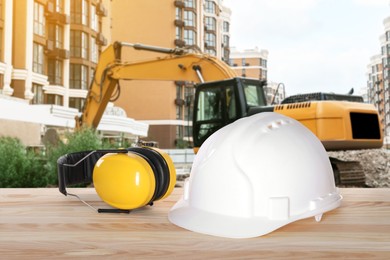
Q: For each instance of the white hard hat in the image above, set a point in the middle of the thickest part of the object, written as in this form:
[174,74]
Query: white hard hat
[254,176]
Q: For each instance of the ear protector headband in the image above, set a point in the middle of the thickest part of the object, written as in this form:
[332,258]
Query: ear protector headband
[125,179]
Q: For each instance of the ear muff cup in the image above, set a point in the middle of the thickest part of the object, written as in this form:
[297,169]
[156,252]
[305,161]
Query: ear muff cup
[134,179]
[160,169]
[124,180]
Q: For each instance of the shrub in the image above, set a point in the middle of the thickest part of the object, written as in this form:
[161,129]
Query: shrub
[13,162]
[82,140]
[20,168]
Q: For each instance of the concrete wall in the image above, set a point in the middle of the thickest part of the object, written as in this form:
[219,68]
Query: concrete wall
[28,133]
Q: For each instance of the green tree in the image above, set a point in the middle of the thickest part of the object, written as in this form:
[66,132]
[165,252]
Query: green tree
[20,168]
[82,140]
[13,162]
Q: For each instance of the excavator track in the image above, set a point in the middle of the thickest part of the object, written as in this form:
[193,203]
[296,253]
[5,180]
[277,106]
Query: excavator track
[348,173]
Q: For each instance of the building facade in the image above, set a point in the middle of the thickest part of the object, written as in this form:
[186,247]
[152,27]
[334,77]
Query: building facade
[48,52]
[251,63]
[194,24]
[378,83]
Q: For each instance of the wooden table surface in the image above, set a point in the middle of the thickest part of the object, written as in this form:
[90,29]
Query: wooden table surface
[44,224]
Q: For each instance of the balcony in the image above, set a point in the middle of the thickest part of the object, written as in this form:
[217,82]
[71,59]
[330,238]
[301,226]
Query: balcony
[179,23]
[179,4]
[210,29]
[101,10]
[179,43]
[52,52]
[100,39]
[53,16]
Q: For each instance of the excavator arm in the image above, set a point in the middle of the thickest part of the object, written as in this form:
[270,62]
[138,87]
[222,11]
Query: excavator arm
[178,64]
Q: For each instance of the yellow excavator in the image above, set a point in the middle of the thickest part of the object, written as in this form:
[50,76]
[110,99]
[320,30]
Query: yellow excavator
[221,98]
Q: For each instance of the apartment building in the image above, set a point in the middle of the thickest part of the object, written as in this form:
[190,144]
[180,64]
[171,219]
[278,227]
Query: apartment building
[194,24]
[48,53]
[275,92]
[378,83]
[251,63]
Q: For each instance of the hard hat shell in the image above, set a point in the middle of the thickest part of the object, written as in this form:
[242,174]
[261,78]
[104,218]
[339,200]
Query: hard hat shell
[254,176]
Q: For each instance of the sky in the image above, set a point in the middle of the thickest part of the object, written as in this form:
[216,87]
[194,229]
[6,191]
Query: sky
[313,45]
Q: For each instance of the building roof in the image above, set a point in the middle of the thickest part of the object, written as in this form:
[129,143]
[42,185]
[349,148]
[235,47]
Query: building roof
[58,116]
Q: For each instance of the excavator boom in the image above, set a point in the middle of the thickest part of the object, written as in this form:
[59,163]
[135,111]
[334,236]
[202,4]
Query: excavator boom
[221,97]
[177,65]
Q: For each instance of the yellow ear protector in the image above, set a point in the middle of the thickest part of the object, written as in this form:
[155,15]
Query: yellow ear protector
[125,179]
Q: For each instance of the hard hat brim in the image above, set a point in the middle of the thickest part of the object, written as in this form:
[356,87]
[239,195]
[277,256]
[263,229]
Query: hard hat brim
[185,216]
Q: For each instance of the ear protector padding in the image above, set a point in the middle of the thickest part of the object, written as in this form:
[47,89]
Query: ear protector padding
[160,169]
[124,179]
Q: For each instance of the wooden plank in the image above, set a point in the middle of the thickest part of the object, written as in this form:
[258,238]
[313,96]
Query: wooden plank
[42,223]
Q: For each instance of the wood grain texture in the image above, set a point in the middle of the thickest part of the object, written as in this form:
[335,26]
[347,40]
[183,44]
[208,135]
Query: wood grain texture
[44,224]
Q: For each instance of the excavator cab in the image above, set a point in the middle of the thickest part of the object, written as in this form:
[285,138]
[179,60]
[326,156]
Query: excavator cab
[220,103]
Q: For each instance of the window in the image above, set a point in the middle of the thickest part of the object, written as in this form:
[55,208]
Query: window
[76,103]
[226,26]
[1,82]
[179,33]
[38,94]
[263,74]
[226,40]
[91,74]
[55,72]
[59,37]
[189,18]
[254,95]
[243,72]
[263,63]
[1,44]
[210,23]
[189,37]
[56,34]
[78,78]
[94,19]
[179,132]
[94,50]
[210,105]
[210,39]
[209,7]
[39,19]
[226,53]
[59,5]
[190,3]
[1,11]
[188,131]
[79,11]
[216,107]
[78,44]
[179,13]
[179,95]
[188,95]
[54,99]
[38,58]
[211,52]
